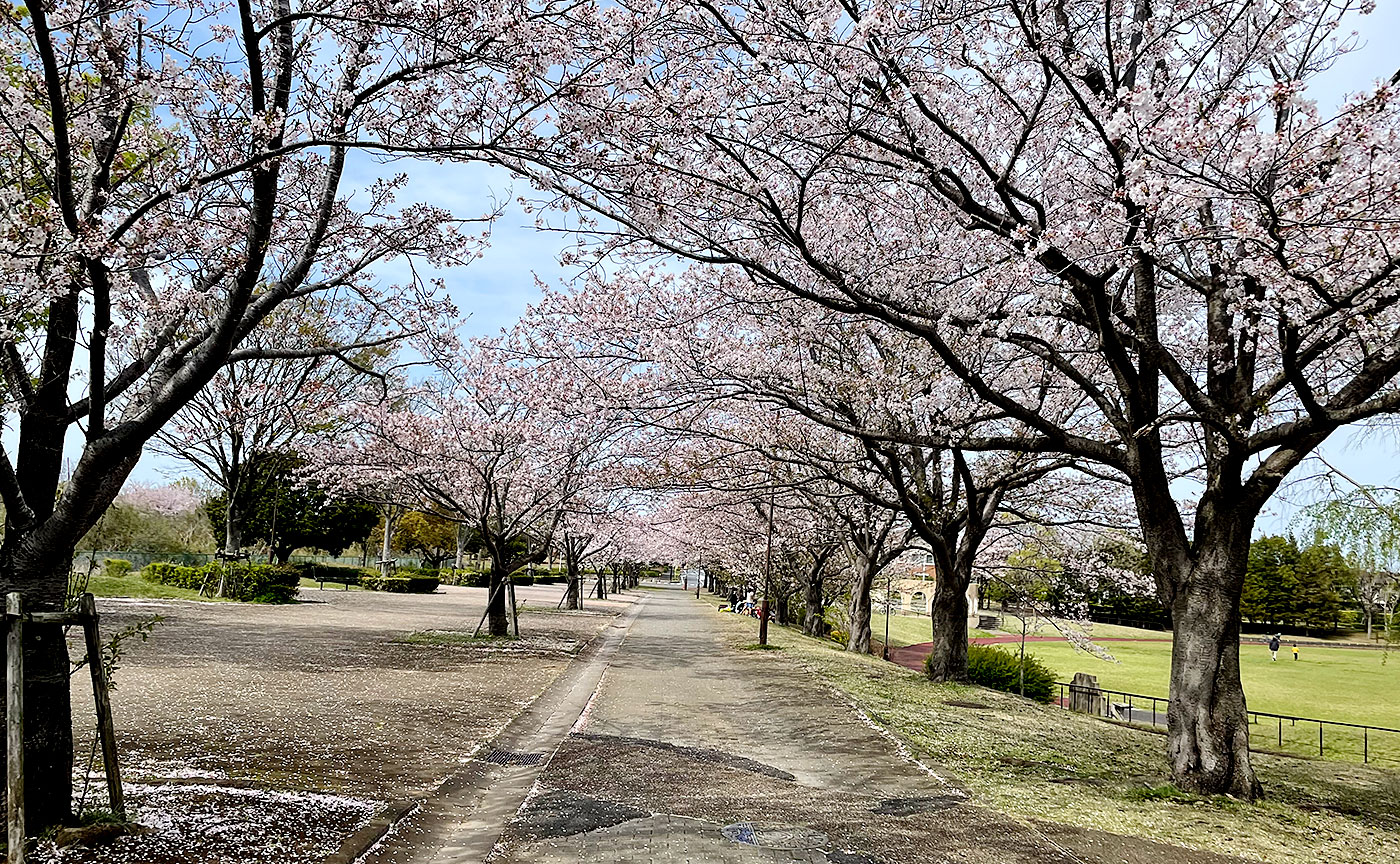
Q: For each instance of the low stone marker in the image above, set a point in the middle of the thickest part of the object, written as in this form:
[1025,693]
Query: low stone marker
[1084,694]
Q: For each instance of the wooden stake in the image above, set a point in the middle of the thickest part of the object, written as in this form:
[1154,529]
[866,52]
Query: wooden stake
[14,725]
[101,698]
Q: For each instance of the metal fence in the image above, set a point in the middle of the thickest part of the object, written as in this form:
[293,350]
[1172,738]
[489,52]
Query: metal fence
[1283,733]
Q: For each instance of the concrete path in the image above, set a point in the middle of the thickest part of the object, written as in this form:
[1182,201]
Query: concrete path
[691,750]
[695,751]
[462,820]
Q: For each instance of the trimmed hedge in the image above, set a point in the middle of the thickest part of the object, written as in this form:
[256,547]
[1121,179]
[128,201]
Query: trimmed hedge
[116,567]
[250,583]
[1001,670]
[468,578]
[337,573]
[400,584]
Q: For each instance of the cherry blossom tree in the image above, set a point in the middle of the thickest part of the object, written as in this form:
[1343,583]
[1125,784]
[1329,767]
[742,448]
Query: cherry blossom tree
[263,406]
[501,443]
[847,408]
[173,174]
[1134,205]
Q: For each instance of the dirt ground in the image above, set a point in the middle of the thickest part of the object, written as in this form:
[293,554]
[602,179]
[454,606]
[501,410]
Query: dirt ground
[253,733]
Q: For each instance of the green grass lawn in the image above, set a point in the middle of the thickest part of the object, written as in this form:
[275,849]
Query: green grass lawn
[906,629]
[1042,762]
[1342,684]
[133,585]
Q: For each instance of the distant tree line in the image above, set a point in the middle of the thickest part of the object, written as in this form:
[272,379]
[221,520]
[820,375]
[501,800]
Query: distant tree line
[1296,587]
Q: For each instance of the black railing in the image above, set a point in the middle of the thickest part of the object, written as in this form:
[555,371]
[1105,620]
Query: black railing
[1371,743]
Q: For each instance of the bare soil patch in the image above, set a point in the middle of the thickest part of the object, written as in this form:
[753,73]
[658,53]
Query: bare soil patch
[253,733]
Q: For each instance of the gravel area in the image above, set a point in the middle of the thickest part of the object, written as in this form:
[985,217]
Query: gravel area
[253,733]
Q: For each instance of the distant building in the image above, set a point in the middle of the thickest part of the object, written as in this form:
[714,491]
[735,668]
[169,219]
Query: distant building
[911,589]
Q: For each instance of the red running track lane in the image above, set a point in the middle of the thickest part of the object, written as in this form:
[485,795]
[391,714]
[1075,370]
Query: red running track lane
[912,656]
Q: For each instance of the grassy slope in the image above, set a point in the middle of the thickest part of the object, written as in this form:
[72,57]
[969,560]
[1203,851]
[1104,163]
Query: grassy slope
[1041,762]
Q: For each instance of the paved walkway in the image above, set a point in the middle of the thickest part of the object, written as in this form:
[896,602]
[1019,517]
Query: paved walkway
[667,745]
[693,751]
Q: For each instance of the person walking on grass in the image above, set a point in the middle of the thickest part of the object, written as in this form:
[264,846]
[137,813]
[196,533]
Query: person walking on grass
[1273,647]
[1295,651]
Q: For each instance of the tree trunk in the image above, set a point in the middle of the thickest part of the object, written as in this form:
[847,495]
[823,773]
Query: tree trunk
[1207,725]
[391,521]
[233,528]
[463,532]
[48,725]
[858,639]
[814,609]
[498,610]
[948,662]
[573,590]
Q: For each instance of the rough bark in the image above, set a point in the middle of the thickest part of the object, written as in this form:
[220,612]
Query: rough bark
[813,605]
[858,639]
[573,590]
[48,726]
[498,610]
[233,526]
[391,521]
[1207,721]
[948,662]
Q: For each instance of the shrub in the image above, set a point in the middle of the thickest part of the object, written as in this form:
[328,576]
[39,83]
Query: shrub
[1001,670]
[400,584]
[252,583]
[337,573]
[177,575]
[523,579]
[548,578]
[469,578]
[116,567]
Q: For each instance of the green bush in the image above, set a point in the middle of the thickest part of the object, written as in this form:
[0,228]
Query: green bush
[523,579]
[251,583]
[400,584]
[116,567]
[1001,670]
[178,575]
[548,578]
[469,578]
[337,573]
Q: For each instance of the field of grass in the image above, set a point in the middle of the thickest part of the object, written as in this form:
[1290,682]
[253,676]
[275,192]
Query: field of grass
[906,629]
[1348,685]
[132,585]
[1045,763]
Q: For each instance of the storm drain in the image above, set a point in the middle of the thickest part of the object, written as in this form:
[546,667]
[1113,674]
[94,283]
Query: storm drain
[512,757]
[774,837]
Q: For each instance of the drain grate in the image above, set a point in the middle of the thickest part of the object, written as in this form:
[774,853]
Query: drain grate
[512,757]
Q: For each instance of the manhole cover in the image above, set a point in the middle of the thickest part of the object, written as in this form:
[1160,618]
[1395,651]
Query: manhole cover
[774,837]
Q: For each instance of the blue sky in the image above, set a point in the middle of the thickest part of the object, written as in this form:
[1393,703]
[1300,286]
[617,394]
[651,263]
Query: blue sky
[495,290]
